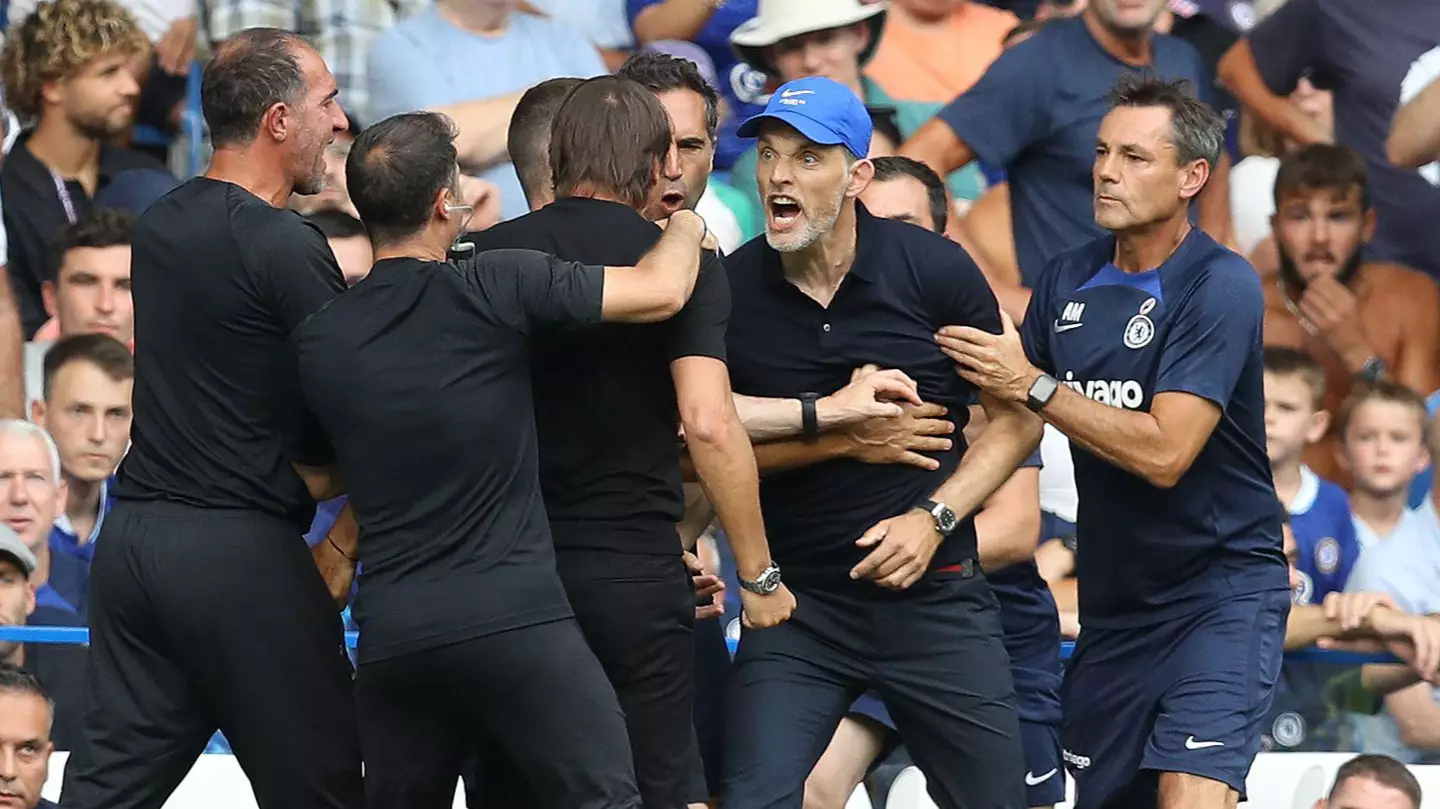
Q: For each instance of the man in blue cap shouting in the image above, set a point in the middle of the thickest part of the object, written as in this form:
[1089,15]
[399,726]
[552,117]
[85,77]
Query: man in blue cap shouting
[882,558]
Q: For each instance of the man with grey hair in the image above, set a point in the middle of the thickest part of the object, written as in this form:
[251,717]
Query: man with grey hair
[32,494]
[1143,347]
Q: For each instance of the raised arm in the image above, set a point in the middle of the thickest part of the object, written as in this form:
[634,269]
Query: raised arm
[672,19]
[658,286]
[1415,134]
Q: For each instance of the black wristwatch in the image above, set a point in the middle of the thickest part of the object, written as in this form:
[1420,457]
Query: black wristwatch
[809,419]
[1042,390]
[766,583]
[944,516]
[1372,370]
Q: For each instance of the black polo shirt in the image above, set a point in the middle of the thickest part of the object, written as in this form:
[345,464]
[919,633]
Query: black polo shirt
[420,376]
[221,278]
[905,284]
[605,406]
[35,217]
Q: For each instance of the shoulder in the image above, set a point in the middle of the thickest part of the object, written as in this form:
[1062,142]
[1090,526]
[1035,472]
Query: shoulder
[508,234]
[931,255]
[1213,266]
[1172,53]
[1394,284]
[118,159]
[997,19]
[547,29]
[749,257]
[406,34]
[1070,268]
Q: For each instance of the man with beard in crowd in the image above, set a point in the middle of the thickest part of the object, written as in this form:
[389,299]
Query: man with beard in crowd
[1359,319]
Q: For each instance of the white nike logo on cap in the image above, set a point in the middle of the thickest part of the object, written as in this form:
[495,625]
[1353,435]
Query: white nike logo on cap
[1031,780]
[793,93]
[1191,744]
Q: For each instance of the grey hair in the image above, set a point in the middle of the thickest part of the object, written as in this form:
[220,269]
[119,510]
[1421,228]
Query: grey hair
[1197,131]
[21,427]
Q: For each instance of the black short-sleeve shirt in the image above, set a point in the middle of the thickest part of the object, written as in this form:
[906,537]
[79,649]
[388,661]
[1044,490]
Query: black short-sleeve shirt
[420,376]
[220,279]
[904,285]
[605,404]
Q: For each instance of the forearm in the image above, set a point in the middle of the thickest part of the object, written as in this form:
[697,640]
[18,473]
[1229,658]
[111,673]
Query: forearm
[1006,537]
[769,419]
[698,516]
[323,482]
[1129,439]
[482,127]
[1416,715]
[1214,203]
[12,347]
[726,467]
[673,19]
[778,456]
[1308,624]
[1382,678]
[1415,134]
[1239,73]
[1011,435]
[335,556]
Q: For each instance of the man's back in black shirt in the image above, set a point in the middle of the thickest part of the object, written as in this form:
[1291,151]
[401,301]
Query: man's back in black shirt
[605,405]
[420,376]
[221,278]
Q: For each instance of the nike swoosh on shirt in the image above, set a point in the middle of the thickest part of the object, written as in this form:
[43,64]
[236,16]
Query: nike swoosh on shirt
[1031,780]
[1059,327]
[1191,744]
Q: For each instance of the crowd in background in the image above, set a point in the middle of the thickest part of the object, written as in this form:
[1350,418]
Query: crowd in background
[1331,186]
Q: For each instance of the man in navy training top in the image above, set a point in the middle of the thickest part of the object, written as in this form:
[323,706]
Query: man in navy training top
[1146,353]
[881,558]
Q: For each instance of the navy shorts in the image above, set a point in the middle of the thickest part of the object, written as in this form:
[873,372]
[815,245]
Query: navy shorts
[1044,778]
[1188,695]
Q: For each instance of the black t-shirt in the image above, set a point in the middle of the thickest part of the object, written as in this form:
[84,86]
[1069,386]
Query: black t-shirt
[420,376]
[221,278]
[605,406]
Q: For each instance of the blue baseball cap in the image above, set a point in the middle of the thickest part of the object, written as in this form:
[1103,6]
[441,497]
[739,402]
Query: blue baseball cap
[821,109]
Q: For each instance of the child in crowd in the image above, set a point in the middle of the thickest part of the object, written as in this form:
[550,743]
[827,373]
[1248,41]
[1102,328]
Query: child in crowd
[1326,547]
[1382,446]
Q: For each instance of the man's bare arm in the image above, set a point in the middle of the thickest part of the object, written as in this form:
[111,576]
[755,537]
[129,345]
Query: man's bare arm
[1416,715]
[661,282]
[1214,203]
[874,394]
[1238,71]
[335,556]
[1010,436]
[1418,366]
[482,126]
[1007,529]
[673,19]
[1415,133]
[936,145]
[1158,446]
[12,353]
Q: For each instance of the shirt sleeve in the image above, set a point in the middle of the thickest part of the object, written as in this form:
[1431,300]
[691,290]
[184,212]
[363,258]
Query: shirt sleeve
[1213,334]
[533,292]
[1035,328]
[699,328]
[398,76]
[1287,44]
[1006,111]
[298,270]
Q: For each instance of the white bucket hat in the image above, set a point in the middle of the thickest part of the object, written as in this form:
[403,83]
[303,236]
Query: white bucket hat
[782,19]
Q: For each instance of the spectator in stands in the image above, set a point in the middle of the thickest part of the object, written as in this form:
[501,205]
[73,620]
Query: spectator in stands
[934,50]
[343,33]
[86,409]
[1382,447]
[429,62]
[1360,319]
[33,496]
[1405,566]
[26,716]
[1036,112]
[1252,181]
[65,70]
[348,242]
[834,39]
[528,138]
[1319,510]
[1366,54]
[1372,782]
[907,190]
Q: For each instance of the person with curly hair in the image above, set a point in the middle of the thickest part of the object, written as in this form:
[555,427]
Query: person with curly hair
[65,69]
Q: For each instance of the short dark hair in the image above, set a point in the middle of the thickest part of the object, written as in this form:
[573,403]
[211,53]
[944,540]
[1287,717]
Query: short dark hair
[1197,131]
[250,72]
[336,224]
[661,73]
[1383,770]
[14,679]
[1382,390]
[610,135]
[104,227]
[396,168]
[1286,361]
[100,350]
[528,140]
[1321,167]
[893,167]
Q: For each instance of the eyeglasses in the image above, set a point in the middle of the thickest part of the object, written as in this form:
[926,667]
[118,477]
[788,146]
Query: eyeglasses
[468,211]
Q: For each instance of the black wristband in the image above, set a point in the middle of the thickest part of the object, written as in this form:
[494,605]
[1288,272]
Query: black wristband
[809,419]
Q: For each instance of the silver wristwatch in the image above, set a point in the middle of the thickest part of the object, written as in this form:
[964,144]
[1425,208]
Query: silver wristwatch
[944,516]
[766,583]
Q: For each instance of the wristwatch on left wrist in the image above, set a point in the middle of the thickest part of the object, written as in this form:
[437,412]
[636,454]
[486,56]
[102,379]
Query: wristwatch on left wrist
[766,583]
[943,515]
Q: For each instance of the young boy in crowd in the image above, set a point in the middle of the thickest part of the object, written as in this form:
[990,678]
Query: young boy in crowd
[1382,447]
[1326,547]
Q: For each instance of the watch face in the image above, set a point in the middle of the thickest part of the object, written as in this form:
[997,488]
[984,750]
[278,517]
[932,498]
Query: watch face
[947,520]
[770,580]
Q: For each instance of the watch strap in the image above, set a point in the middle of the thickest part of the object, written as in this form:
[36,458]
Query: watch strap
[809,418]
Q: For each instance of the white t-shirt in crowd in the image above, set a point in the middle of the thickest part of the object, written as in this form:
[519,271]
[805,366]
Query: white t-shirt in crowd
[1252,200]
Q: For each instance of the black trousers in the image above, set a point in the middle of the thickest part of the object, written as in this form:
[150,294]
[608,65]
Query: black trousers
[637,612]
[527,705]
[933,654]
[203,619]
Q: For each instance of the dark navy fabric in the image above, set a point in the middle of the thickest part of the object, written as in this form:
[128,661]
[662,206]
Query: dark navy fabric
[1044,765]
[1190,326]
[904,285]
[1036,112]
[1324,539]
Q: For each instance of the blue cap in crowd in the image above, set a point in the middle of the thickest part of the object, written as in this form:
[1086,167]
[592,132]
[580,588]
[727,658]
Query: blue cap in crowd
[821,109]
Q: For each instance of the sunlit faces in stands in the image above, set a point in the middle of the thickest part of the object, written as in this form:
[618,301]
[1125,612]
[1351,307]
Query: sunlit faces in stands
[1322,216]
[1372,782]
[1127,16]
[98,99]
[1382,435]
[906,190]
[25,748]
[90,290]
[86,407]
[32,490]
[803,185]
[833,53]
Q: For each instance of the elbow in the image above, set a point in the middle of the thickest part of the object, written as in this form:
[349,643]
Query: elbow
[1397,153]
[1228,67]
[1164,470]
[706,423]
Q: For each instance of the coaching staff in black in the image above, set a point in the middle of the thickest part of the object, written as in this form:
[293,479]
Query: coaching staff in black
[420,376]
[206,609]
[606,405]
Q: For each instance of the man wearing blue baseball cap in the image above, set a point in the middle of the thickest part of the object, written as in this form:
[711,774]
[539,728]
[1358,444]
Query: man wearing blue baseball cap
[882,558]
